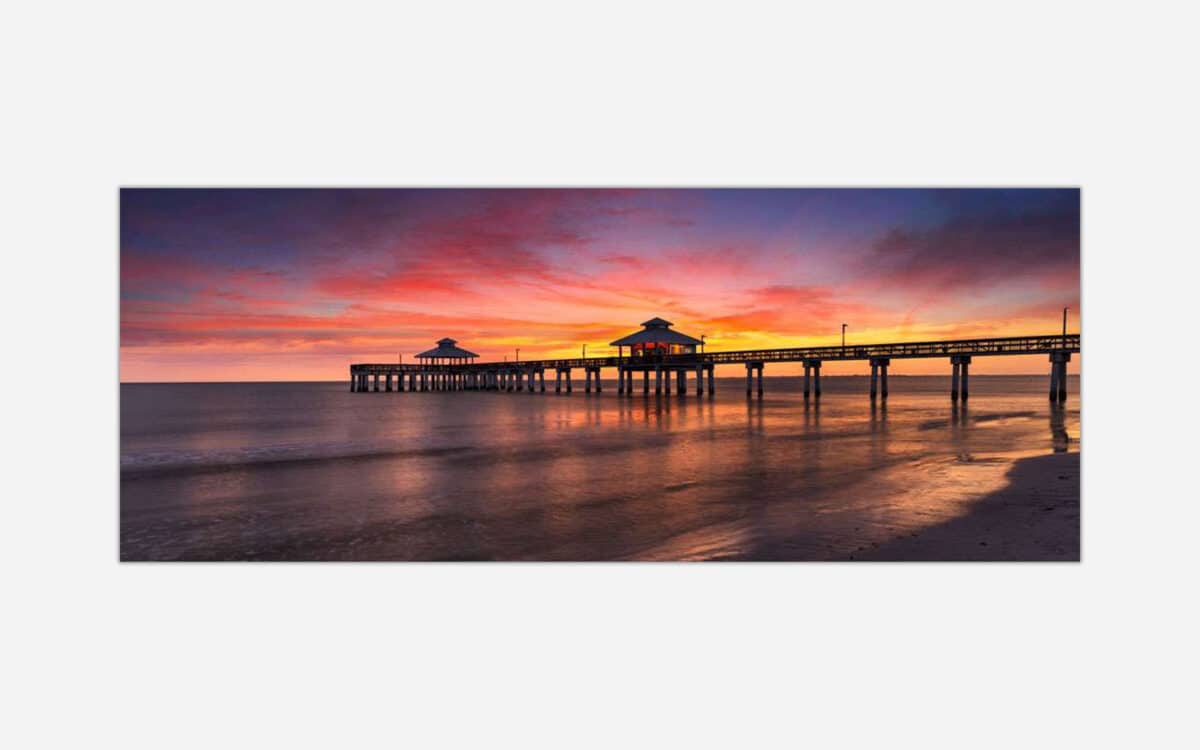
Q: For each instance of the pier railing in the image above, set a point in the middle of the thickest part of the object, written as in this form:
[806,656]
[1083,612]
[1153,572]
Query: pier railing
[1012,345]
[982,347]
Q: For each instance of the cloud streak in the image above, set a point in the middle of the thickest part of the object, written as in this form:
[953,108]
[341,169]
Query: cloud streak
[216,276]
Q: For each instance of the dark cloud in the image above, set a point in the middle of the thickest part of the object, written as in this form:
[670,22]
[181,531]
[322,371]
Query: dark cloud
[978,251]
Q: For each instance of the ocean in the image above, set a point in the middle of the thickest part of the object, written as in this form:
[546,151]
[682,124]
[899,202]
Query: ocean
[310,471]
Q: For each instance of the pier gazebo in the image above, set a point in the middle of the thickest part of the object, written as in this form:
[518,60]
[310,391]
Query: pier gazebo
[446,353]
[656,338]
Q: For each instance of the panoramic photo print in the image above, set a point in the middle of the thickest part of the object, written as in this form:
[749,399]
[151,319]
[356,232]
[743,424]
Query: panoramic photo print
[465,374]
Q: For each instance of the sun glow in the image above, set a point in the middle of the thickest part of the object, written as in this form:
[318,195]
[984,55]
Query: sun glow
[295,285]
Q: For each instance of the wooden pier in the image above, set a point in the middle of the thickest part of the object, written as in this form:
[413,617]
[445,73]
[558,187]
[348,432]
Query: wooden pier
[530,377]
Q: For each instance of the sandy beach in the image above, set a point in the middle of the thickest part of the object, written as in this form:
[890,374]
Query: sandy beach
[1035,517]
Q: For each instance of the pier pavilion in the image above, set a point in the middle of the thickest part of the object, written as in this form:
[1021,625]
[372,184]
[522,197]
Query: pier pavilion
[437,368]
[649,349]
[446,353]
[656,338]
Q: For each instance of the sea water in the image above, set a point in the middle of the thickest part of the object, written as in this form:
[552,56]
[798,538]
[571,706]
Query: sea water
[311,471]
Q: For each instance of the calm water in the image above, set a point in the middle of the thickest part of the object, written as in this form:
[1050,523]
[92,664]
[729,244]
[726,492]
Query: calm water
[310,471]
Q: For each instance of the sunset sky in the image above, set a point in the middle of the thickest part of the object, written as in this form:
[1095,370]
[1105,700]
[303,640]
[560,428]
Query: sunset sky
[297,284]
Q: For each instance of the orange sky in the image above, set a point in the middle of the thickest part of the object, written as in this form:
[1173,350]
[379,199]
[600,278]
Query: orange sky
[297,284]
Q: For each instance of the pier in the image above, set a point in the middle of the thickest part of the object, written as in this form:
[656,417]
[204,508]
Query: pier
[656,367]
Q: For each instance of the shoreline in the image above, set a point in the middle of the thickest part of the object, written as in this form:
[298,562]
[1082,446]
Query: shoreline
[1034,518]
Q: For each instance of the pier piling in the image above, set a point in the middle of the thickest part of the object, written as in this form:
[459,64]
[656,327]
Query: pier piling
[812,366]
[457,374]
[1058,376]
[879,368]
[751,369]
[960,371]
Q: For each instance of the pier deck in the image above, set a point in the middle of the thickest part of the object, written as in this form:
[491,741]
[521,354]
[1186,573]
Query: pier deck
[521,375]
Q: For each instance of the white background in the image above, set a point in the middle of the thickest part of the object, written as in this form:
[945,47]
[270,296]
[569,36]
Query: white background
[99,95]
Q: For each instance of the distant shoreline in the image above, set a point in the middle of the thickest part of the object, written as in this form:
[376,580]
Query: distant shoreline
[343,381]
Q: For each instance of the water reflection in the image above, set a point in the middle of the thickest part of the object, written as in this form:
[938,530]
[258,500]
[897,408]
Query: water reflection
[1058,428]
[879,417]
[494,476]
[812,413]
[594,412]
[958,414]
[754,416]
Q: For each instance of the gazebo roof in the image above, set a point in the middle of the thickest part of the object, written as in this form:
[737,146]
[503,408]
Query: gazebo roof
[655,331]
[446,348]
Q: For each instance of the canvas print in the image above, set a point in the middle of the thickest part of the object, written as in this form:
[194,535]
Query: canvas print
[467,374]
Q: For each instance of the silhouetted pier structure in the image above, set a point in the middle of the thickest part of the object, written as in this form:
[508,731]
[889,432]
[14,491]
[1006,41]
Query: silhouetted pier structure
[663,364]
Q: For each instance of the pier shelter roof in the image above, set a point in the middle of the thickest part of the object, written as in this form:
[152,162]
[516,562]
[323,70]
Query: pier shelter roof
[656,331]
[446,349]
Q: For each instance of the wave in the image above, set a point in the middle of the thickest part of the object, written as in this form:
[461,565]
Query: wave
[158,463]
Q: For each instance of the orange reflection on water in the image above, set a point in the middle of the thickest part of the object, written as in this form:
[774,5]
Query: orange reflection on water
[582,477]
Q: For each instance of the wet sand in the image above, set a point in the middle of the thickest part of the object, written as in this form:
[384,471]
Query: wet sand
[1035,517]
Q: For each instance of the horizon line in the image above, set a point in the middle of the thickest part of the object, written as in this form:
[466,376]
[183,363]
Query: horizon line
[343,380]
